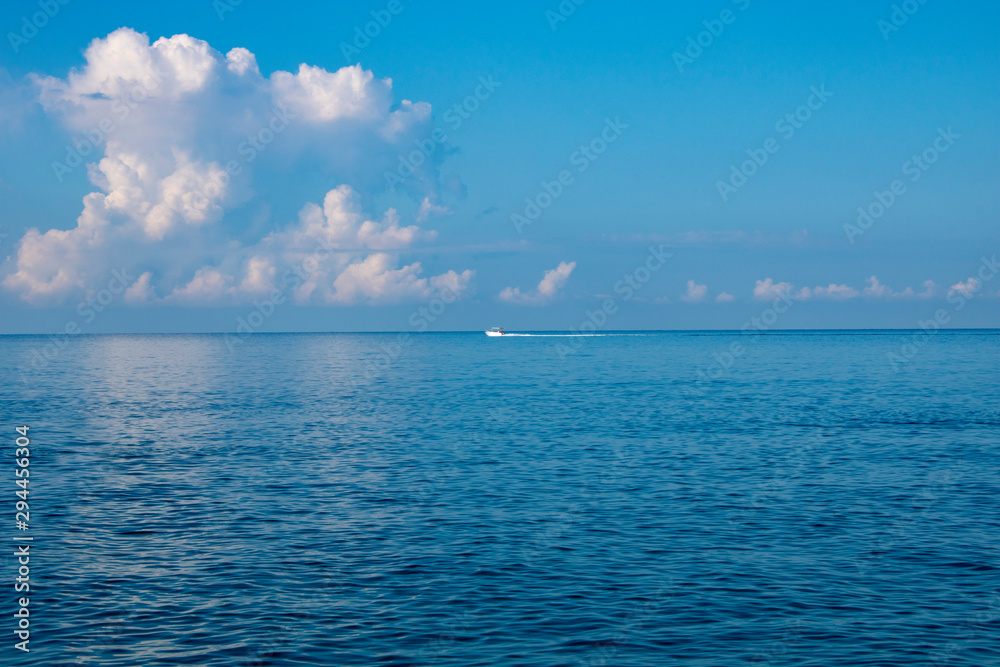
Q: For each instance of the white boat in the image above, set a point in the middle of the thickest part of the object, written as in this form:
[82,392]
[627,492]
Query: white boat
[495,331]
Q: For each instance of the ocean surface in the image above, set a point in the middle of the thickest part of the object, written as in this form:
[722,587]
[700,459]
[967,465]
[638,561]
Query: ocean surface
[684,498]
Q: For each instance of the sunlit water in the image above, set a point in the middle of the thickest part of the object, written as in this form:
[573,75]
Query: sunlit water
[454,499]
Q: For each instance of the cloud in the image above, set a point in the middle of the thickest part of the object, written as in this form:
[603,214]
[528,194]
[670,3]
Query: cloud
[876,290]
[178,135]
[695,292]
[966,288]
[258,276]
[140,291]
[725,297]
[427,209]
[375,280]
[930,289]
[547,290]
[333,255]
[831,291]
[341,223]
[767,289]
[320,96]
[208,285]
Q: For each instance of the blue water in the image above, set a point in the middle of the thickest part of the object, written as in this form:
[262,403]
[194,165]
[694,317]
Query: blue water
[464,500]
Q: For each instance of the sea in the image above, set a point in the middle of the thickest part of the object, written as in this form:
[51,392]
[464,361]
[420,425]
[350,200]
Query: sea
[623,498]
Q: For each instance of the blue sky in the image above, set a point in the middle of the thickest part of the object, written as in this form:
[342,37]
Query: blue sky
[869,97]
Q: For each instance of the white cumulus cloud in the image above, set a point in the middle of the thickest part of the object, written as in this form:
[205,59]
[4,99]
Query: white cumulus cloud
[375,280]
[877,290]
[831,291]
[208,285]
[695,292]
[965,287]
[333,255]
[546,291]
[767,289]
[171,134]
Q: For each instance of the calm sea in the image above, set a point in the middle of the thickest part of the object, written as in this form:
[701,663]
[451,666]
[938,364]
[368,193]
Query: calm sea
[823,498]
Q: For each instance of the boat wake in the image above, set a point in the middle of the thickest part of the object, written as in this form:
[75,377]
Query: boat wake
[570,335]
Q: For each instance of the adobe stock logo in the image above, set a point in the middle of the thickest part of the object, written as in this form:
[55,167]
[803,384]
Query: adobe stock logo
[363,37]
[31,26]
[581,158]
[565,9]
[915,167]
[899,16]
[696,44]
[786,126]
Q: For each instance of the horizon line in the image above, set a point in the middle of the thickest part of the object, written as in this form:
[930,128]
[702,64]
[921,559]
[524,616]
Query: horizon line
[480,331]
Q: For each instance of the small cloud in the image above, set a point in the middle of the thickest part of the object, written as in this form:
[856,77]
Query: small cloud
[967,288]
[725,297]
[831,291]
[767,289]
[876,290]
[547,290]
[427,209]
[837,292]
[661,299]
[695,292]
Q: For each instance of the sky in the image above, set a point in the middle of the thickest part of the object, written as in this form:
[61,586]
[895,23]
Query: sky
[239,166]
